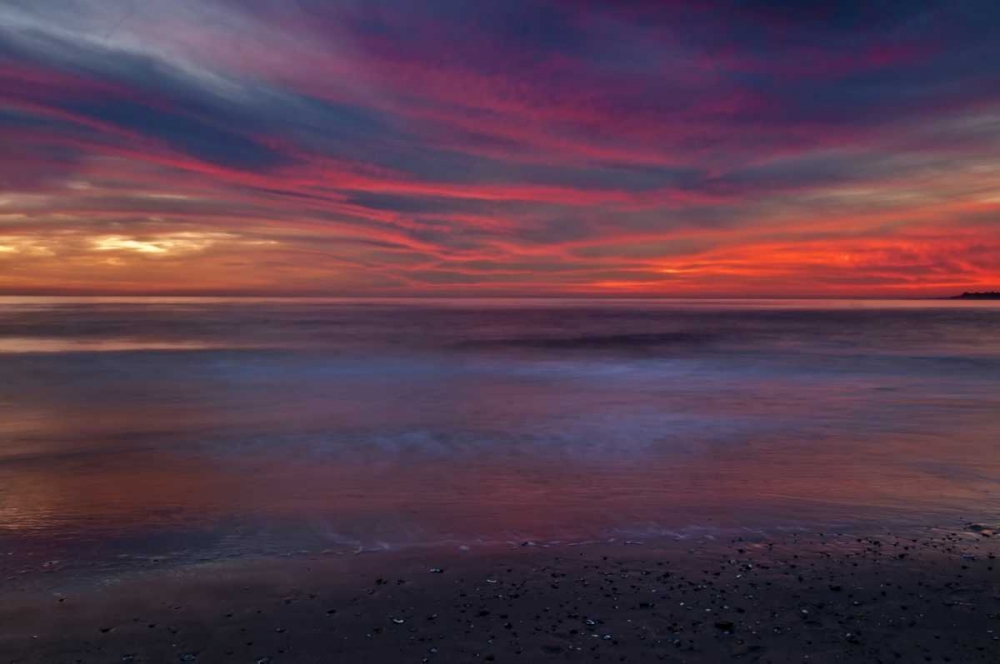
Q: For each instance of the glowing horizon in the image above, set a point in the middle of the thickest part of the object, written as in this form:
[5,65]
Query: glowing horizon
[719,149]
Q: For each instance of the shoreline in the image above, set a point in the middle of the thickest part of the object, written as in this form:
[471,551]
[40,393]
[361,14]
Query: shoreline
[31,566]
[834,597]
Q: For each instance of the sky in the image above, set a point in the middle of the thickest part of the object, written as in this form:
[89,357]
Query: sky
[712,148]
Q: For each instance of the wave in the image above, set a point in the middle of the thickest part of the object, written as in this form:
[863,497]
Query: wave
[635,341]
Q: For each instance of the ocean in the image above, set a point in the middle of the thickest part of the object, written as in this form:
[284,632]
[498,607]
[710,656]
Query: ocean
[200,428]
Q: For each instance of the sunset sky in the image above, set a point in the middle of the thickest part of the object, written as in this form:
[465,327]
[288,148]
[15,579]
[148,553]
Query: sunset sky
[493,147]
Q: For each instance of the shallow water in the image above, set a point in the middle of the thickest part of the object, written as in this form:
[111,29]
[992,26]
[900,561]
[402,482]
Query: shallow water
[205,427]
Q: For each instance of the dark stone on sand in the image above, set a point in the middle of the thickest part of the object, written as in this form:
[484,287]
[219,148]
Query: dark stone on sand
[741,649]
[602,608]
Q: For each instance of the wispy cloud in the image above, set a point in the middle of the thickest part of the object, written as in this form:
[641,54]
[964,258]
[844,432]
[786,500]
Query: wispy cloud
[539,147]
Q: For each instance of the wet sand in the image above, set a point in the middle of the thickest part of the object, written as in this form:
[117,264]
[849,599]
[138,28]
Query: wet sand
[927,596]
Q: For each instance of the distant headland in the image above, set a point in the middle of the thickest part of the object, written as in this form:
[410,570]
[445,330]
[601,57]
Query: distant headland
[989,295]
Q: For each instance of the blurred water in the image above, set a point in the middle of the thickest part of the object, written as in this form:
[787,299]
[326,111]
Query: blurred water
[213,427]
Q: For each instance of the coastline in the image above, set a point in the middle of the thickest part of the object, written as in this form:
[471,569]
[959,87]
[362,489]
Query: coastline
[920,595]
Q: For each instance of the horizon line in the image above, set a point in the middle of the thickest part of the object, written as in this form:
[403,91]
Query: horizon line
[383,296]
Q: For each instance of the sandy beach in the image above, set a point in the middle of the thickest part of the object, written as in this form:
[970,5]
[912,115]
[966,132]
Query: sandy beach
[930,595]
